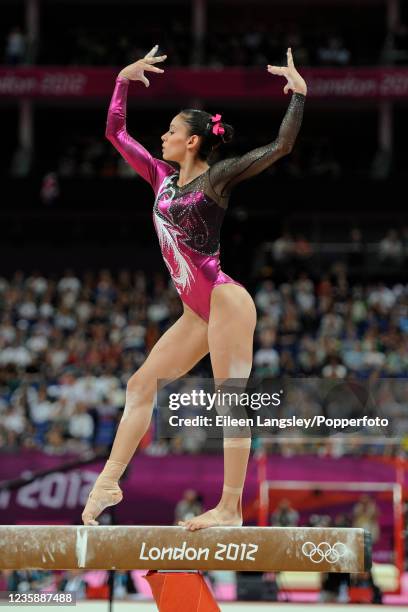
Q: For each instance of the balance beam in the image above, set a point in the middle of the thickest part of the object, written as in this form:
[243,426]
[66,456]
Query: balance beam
[304,549]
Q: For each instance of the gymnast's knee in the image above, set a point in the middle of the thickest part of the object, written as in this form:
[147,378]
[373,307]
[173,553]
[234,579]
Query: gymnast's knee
[140,395]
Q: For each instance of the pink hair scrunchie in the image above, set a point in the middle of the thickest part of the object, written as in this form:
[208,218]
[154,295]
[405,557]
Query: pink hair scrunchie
[217,127]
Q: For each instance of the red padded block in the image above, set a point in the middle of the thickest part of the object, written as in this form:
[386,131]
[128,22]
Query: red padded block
[360,594]
[97,592]
[181,592]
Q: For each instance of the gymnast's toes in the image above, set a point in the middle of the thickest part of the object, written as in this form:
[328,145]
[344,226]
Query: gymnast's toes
[207,519]
[98,500]
[214,518]
[88,520]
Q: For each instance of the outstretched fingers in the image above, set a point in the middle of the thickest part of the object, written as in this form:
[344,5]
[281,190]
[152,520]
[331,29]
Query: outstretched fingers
[283,70]
[149,61]
[154,60]
[152,51]
[279,70]
[294,80]
[290,58]
[150,68]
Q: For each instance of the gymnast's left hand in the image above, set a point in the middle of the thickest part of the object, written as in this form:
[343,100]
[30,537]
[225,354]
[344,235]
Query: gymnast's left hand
[295,82]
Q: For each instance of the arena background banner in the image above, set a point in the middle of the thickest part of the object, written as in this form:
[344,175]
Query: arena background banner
[228,83]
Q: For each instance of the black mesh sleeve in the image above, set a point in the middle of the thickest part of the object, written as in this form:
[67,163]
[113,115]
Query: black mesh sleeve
[226,173]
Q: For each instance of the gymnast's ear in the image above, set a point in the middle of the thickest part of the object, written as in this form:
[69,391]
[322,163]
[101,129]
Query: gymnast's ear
[194,141]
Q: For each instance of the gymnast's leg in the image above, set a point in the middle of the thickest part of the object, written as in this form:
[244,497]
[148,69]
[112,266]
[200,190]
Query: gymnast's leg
[167,360]
[230,338]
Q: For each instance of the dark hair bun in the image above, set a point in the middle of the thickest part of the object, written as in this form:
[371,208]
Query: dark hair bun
[200,122]
[228,133]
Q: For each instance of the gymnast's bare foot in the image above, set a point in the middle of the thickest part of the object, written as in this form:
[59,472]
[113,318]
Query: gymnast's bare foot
[99,499]
[106,491]
[217,517]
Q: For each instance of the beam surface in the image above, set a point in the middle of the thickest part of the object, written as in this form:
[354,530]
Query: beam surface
[305,549]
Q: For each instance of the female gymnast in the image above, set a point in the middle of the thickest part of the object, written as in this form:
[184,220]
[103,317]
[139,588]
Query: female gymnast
[219,315]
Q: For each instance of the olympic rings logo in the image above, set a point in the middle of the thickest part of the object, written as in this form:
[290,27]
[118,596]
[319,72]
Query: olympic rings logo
[324,551]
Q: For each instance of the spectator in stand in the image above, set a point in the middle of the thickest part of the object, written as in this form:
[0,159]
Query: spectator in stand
[266,358]
[382,164]
[190,505]
[334,368]
[269,300]
[365,516]
[333,52]
[290,326]
[405,241]
[395,50]
[284,515]
[13,422]
[81,425]
[283,248]
[390,249]
[342,520]
[15,47]
[356,248]
[41,409]
[55,443]
[49,191]
[302,250]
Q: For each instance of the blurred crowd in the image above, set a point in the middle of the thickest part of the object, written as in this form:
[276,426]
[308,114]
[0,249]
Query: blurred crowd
[68,345]
[364,514]
[89,585]
[226,43]
[293,253]
[67,349]
[91,156]
[333,41]
[321,329]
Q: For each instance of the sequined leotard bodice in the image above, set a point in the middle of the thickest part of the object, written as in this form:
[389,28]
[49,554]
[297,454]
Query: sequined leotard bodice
[188,219]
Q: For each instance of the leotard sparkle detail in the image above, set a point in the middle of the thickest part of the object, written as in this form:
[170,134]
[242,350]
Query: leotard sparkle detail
[188,219]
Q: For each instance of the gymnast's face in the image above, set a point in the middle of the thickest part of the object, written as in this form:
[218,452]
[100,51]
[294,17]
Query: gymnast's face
[177,142]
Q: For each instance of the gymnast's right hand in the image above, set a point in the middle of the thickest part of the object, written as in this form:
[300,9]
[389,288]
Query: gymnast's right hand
[135,71]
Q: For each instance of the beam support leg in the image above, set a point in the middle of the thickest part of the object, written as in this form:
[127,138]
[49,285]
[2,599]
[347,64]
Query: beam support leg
[181,592]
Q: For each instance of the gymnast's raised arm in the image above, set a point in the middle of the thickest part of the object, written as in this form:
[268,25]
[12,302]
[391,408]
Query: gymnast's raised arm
[227,173]
[134,153]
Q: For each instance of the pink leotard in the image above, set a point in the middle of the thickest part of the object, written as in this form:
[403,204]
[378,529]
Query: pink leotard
[188,219]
